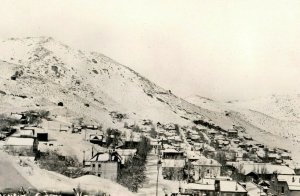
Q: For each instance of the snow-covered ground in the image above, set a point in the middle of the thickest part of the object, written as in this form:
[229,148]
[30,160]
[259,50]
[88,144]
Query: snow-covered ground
[163,186]
[91,85]
[27,174]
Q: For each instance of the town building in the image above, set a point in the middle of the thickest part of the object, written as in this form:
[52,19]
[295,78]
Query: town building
[251,170]
[254,189]
[172,154]
[230,188]
[205,167]
[232,133]
[173,169]
[288,185]
[192,156]
[104,164]
[126,154]
[30,133]
[207,189]
[96,138]
[21,146]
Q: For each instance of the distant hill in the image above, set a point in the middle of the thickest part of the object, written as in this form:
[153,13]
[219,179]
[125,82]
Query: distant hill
[273,120]
[41,72]
[38,73]
[284,107]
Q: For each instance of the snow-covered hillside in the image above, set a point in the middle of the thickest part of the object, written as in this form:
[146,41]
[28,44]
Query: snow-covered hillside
[89,84]
[38,73]
[272,121]
[284,107]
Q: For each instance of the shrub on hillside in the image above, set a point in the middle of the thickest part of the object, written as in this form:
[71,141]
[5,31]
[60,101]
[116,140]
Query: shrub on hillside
[6,122]
[68,166]
[36,116]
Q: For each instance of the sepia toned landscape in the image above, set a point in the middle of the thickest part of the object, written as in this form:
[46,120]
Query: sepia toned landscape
[76,121]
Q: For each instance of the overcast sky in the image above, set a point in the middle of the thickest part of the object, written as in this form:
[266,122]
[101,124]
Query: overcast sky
[231,49]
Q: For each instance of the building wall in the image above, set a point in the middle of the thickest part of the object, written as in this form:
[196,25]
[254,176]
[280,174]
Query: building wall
[107,170]
[279,188]
[20,150]
[200,192]
[233,194]
[201,171]
[294,193]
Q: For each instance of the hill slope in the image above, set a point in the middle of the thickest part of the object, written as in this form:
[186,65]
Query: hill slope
[88,83]
[284,107]
[263,119]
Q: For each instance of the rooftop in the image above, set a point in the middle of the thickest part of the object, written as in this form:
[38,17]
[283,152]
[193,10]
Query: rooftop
[231,186]
[196,186]
[126,152]
[170,150]
[203,161]
[15,141]
[193,155]
[293,181]
[101,157]
[260,168]
[254,190]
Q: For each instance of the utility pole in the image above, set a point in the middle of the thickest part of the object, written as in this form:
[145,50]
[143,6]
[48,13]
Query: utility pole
[158,164]
[157,180]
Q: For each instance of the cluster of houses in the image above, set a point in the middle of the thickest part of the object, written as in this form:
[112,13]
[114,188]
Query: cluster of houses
[107,163]
[207,161]
[246,167]
[24,141]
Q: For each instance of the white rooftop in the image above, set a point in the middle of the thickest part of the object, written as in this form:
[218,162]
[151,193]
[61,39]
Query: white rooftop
[254,190]
[193,154]
[207,162]
[195,186]
[231,186]
[126,152]
[15,141]
[259,168]
[101,157]
[293,181]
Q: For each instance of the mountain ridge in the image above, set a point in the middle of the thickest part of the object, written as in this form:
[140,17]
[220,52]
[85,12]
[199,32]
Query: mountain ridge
[89,76]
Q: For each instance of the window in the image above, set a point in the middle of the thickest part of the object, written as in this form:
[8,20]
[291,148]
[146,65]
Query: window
[99,165]
[282,189]
[99,175]
[93,165]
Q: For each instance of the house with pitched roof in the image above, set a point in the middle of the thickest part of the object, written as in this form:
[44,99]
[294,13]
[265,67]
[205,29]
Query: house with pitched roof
[104,164]
[288,185]
[260,170]
[205,167]
[233,188]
